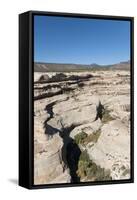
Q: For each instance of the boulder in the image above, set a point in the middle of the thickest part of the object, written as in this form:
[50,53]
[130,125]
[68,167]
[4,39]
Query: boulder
[44,77]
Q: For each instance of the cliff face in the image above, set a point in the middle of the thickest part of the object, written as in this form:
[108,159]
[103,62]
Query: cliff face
[81,126]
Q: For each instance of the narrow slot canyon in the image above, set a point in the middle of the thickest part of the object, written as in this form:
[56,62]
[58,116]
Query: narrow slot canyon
[70,150]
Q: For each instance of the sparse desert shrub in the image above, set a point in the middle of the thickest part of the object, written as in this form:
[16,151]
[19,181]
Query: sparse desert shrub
[102,174]
[106,117]
[83,164]
[126,107]
[84,156]
[79,138]
[89,170]
[83,138]
[98,83]
[92,137]
[123,167]
[125,172]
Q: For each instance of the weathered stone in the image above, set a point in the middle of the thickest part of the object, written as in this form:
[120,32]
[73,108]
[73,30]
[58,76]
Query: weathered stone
[113,149]
[60,116]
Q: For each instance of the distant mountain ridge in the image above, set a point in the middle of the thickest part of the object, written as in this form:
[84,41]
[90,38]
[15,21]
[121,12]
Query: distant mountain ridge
[122,65]
[58,67]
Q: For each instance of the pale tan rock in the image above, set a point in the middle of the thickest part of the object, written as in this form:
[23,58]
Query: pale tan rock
[78,107]
[113,149]
[88,128]
[48,163]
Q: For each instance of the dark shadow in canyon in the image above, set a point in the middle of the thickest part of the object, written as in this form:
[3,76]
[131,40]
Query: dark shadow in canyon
[72,156]
[49,129]
[99,109]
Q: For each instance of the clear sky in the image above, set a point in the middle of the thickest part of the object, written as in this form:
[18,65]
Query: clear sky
[80,41]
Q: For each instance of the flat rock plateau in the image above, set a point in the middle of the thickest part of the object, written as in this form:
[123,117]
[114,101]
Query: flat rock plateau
[81,126]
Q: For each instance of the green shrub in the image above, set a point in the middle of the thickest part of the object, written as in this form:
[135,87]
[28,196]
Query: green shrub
[125,172]
[92,137]
[106,116]
[79,138]
[83,138]
[88,170]
[84,156]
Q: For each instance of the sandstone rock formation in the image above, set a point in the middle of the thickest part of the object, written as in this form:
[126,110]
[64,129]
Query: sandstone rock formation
[81,112]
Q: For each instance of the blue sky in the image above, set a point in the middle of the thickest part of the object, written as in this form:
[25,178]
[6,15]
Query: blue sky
[80,41]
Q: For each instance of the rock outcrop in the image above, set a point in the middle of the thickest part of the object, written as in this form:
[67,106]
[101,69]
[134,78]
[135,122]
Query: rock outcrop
[76,113]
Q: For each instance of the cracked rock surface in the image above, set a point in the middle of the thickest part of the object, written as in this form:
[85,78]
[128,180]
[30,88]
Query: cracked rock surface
[92,105]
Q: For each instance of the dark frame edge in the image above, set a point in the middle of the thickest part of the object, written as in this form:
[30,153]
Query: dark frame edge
[30,147]
[132,98]
[81,15]
[24,101]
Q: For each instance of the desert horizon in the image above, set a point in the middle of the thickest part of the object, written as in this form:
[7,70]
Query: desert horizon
[73,67]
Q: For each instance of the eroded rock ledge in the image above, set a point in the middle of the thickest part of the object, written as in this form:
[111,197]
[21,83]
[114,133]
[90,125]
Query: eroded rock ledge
[71,119]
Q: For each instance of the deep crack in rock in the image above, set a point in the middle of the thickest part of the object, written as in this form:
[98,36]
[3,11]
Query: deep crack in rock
[70,150]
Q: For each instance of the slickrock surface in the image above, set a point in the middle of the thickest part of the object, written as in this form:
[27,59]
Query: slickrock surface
[81,112]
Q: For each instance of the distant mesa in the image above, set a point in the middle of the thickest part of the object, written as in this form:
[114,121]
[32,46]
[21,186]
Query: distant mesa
[94,65]
[65,67]
[122,65]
